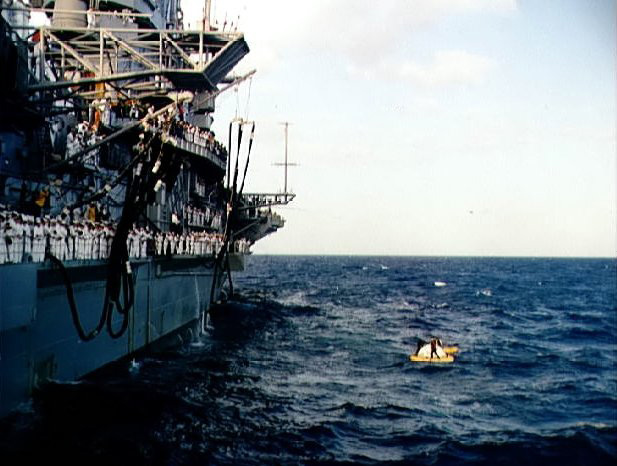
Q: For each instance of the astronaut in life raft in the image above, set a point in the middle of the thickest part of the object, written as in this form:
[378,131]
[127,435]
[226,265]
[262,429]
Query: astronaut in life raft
[432,349]
[433,352]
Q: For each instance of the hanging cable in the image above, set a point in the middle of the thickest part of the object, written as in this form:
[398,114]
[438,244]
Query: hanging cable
[248,155]
[73,306]
[222,256]
[120,280]
[235,183]
[229,155]
[248,99]
[237,102]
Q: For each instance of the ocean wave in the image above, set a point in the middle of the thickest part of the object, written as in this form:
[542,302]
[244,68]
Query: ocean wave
[313,367]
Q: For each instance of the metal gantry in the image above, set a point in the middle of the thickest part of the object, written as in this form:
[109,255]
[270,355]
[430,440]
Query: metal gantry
[131,62]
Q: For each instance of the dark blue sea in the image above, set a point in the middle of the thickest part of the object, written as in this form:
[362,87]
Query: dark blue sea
[309,364]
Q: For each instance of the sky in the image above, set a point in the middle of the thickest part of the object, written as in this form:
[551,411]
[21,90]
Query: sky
[431,127]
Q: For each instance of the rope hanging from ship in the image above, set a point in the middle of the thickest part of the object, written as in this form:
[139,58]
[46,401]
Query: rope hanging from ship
[144,173]
[149,171]
[234,199]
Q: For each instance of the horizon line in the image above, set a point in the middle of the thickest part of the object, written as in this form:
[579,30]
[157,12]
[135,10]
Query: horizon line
[431,255]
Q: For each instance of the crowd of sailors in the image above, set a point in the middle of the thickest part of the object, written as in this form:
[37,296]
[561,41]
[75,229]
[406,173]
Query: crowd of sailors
[24,238]
[196,217]
[80,137]
[201,137]
[86,133]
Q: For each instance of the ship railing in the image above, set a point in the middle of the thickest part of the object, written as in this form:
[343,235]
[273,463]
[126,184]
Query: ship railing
[209,149]
[258,200]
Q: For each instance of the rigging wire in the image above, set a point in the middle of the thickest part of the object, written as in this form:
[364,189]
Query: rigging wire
[248,99]
[248,155]
[237,102]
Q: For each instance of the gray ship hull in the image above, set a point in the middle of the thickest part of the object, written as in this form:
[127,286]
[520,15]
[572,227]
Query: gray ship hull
[39,341]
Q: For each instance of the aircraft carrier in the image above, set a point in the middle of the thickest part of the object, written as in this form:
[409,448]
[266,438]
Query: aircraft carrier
[122,216]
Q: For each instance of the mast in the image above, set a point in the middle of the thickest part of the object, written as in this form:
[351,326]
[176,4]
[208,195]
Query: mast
[286,163]
[207,10]
[286,145]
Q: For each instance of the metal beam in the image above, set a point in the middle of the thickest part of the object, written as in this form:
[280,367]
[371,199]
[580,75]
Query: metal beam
[179,50]
[74,53]
[86,81]
[138,56]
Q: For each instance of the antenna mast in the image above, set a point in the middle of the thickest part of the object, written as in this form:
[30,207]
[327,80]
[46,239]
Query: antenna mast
[286,163]
[206,19]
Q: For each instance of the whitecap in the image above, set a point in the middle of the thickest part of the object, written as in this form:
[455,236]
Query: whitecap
[134,366]
[298,298]
[439,283]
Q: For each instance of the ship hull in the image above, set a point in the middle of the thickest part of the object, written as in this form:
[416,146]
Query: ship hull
[38,338]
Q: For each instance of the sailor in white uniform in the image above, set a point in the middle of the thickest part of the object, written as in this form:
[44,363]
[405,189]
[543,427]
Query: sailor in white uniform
[70,240]
[50,232]
[165,243]
[4,253]
[63,233]
[171,241]
[158,241]
[132,245]
[46,226]
[28,232]
[38,241]
[180,245]
[80,241]
[204,243]
[143,243]
[58,238]
[96,241]
[89,237]
[102,241]
[193,243]
[16,239]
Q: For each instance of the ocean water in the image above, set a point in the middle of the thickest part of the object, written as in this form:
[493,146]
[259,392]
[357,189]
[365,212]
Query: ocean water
[309,364]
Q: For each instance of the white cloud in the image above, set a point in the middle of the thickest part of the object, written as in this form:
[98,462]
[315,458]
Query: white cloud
[364,31]
[447,67]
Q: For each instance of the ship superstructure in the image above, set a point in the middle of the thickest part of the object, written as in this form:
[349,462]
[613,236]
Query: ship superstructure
[121,213]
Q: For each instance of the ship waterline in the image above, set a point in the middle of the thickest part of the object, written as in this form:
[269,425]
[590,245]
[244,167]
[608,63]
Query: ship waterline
[39,340]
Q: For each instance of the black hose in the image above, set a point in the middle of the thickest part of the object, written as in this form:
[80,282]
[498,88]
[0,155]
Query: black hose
[71,298]
[220,258]
[231,285]
[119,276]
[108,305]
[214,277]
[248,157]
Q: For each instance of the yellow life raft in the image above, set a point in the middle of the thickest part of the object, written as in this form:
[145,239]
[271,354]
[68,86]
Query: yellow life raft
[448,358]
[450,349]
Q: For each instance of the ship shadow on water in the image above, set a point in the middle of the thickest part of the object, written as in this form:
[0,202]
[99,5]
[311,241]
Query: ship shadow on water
[134,410]
[241,318]
[247,314]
